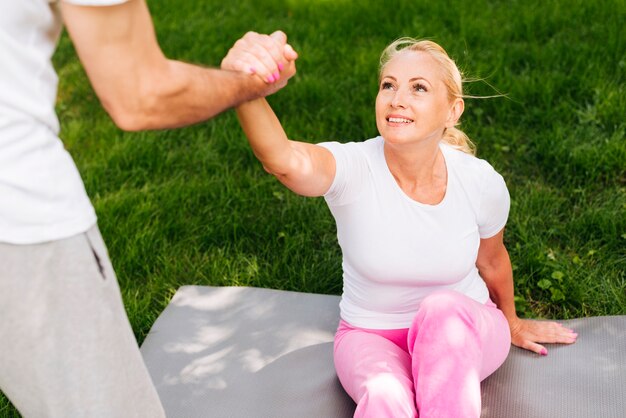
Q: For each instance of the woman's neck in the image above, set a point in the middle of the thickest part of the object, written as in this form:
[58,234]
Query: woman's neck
[419,169]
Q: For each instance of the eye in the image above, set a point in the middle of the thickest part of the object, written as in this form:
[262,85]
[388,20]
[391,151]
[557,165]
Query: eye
[386,85]
[419,87]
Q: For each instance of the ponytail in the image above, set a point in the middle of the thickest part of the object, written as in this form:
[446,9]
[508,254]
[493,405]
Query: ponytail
[456,138]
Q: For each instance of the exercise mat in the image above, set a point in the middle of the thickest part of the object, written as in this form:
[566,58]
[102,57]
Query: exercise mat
[252,352]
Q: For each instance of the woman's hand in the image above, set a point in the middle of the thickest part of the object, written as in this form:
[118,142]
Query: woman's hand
[529,334]
[269,57]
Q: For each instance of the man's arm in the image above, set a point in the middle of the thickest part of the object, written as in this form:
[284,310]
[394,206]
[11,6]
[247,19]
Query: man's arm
[139,87]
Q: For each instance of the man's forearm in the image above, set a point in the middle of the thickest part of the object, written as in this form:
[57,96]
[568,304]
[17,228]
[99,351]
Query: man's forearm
[182,94]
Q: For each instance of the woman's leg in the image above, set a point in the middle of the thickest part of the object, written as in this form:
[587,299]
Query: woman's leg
[455,342]
[375,371]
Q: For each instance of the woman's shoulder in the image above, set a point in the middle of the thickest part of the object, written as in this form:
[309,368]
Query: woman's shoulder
[466,162]
[485,187]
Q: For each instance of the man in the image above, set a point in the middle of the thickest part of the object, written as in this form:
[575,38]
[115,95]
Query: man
[66,346]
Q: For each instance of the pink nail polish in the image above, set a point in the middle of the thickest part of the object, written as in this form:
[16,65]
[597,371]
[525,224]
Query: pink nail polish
[280,66]
[544,352]
[252,70]
[270,79]
[276,75]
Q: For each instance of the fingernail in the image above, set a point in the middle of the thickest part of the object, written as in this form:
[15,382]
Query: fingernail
[544,352]
[252,70]
[276,75]
[270,79]
[280,66]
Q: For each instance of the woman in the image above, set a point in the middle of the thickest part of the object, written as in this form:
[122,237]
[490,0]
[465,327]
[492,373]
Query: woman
[427,310]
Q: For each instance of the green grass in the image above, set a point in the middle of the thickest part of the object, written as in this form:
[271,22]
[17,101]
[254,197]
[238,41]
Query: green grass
[193,206]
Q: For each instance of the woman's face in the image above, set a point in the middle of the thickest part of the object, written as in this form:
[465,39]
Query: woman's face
[412,104]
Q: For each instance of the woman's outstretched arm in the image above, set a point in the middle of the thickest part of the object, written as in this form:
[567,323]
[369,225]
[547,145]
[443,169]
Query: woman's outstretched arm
[495,268]
[304,168]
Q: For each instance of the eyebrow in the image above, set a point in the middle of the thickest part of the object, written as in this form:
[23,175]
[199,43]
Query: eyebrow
[410,81]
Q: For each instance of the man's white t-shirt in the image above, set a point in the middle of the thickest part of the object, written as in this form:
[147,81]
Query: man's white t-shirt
[396,250]
[42,196]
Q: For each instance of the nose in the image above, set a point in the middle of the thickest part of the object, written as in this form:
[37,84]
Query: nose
[399,99]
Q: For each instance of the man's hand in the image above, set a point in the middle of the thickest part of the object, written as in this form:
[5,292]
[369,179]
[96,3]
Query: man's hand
[268,57]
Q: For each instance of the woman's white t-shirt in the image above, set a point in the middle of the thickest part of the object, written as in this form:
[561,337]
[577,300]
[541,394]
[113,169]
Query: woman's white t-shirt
[396,250]
[42,196]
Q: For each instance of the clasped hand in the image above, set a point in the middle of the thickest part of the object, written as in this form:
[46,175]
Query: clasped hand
[268,57]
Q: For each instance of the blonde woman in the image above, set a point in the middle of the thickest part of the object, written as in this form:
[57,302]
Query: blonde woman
[427,310]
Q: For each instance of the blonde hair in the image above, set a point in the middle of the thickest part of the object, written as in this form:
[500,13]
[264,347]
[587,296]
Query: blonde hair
[452,79]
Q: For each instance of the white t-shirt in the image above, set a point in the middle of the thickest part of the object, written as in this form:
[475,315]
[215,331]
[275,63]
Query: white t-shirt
[42,196]
[395,250]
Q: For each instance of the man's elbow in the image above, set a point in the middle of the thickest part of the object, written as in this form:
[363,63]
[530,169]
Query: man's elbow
[136,123]
[129,123]
[131,114]
[150,100]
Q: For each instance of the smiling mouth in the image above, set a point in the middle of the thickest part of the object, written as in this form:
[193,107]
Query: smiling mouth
[399,120]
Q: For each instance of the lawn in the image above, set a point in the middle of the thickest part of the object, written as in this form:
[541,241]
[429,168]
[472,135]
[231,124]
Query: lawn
[193,206]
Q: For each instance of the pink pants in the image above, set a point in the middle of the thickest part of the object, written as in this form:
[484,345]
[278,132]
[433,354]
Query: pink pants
[434,367]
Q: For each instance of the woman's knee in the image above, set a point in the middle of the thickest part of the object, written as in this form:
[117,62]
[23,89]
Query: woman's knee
[446,317]
[446,303]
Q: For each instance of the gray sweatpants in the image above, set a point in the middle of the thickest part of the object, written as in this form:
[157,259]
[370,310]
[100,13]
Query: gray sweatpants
[66,346]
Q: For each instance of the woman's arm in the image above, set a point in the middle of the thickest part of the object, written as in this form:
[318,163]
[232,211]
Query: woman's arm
[494,266]
[306,169]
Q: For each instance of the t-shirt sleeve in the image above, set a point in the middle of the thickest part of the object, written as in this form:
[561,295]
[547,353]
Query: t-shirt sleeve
[350,173]
[494,205]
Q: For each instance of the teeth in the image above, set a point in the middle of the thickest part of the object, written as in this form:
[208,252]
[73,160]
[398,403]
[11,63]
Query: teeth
[400,120]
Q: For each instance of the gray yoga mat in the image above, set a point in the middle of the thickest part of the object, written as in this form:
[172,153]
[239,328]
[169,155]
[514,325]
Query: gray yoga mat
[250,352]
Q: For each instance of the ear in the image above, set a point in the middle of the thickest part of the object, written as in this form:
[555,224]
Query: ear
[455,112]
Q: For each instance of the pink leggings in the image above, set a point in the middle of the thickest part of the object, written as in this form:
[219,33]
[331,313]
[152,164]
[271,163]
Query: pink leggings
[434,367]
